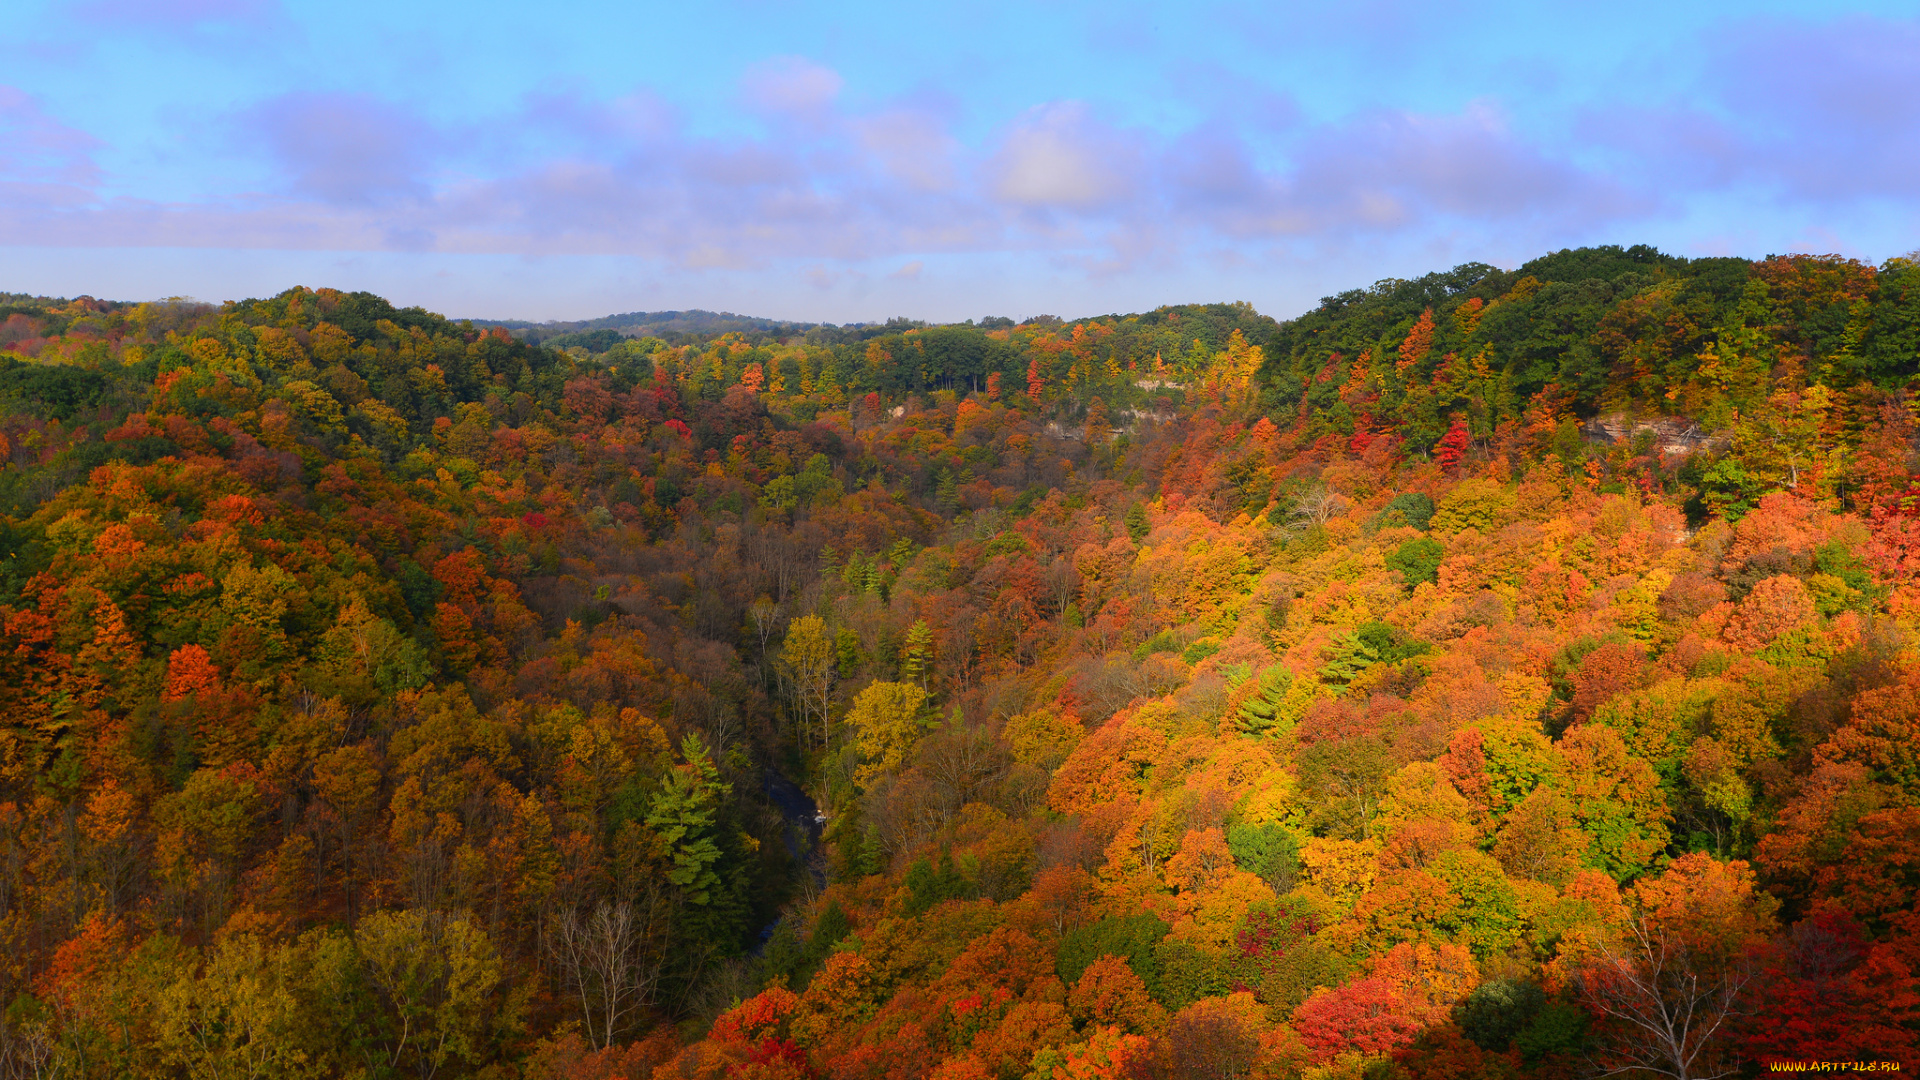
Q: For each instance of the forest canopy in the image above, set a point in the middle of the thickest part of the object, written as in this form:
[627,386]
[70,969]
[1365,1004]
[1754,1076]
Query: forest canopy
[1498,673]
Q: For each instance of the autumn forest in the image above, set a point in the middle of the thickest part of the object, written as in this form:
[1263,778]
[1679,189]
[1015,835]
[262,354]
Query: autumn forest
[1493,675]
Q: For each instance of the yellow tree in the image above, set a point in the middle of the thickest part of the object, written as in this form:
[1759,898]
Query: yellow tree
[886,722]
[808,660]
[1235,365]
[239,1017]
[436,977]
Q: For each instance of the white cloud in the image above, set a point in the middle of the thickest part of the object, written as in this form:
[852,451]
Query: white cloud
[912,146]
[1059,156]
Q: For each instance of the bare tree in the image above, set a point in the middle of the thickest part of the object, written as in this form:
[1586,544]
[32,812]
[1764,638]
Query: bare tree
[1111,683]
[1667,1004]
[611,958]
[964,763]
[27,1051]
[1063,584]
[957,765]
[1208,1044]
[904,811]
[778,558]
[766,619]
[1316,506]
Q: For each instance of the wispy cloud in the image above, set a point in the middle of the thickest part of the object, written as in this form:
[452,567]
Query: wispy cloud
[1831,111]
[791,86]
[1819,115]
[45,166]
[831,179]
[1394,169]
[348,150]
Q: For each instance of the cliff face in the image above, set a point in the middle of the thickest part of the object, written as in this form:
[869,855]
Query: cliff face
[1672,436]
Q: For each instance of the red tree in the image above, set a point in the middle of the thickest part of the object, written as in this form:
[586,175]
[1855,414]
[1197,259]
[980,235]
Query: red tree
[1419,340]
[190,673]
[1453,446]
[1369,1015]
[1828,986]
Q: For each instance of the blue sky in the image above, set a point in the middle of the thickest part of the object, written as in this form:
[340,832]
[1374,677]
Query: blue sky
[855,162]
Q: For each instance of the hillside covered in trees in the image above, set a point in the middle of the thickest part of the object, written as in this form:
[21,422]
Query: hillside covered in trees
[1495,674]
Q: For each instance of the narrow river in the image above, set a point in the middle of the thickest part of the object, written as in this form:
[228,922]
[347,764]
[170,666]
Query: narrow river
[805,823]
[804,820]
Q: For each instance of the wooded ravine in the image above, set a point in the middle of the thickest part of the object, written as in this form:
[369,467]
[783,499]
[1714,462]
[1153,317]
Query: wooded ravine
[1498,674]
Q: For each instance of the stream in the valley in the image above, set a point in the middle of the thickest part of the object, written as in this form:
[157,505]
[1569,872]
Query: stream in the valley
[805,823]
[804,819]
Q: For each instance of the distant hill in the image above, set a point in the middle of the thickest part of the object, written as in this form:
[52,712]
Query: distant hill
[597,334]
[1211,323]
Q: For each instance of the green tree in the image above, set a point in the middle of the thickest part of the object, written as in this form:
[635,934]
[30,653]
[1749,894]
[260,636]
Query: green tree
[1417,560]
[1729,490]
[1781,445]
[1260,713]
[847,653]
[1489,915]
[916,653]
[1618,800]
[947,491]
[1498,1010]
[778,494]
[1410,509]
[1133,938]
[815,479]
[1269,850]
[682,814]
[363,658]
[1349,654]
